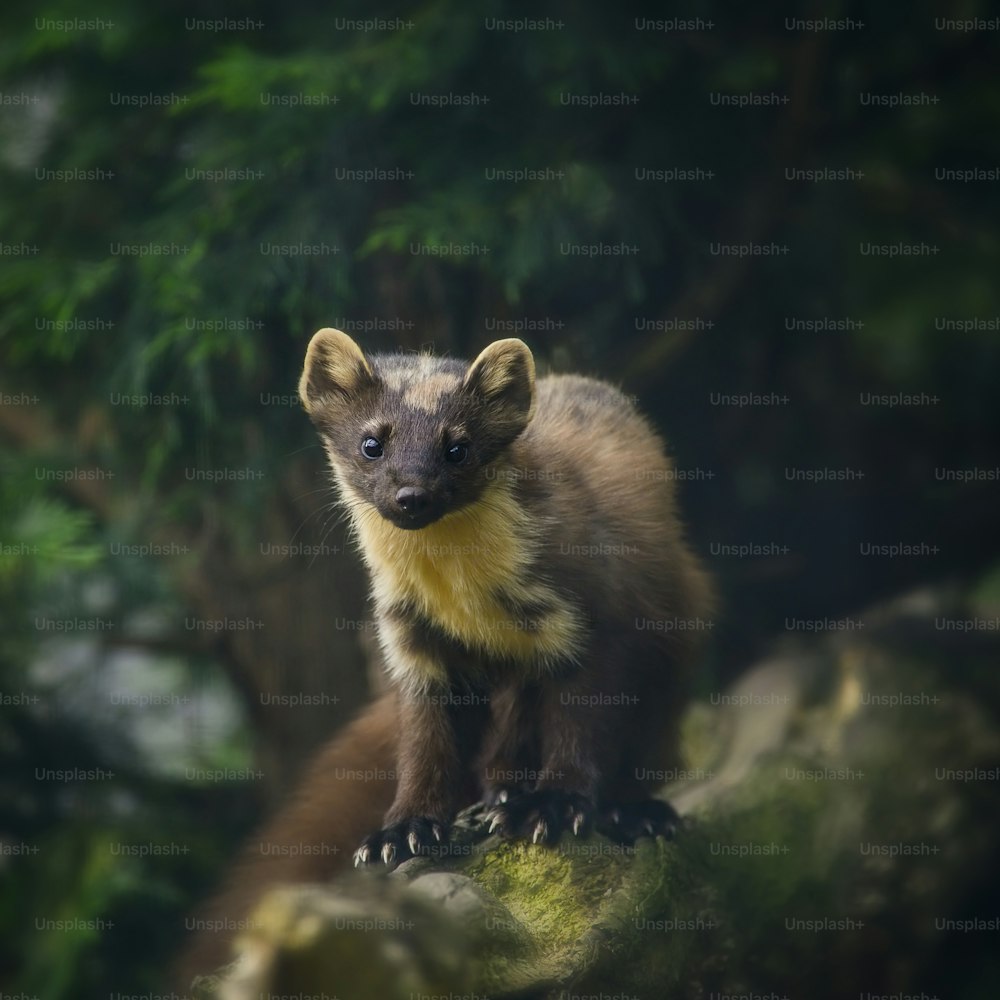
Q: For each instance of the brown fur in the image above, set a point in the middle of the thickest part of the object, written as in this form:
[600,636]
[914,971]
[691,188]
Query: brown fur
[326,816]
[538,617]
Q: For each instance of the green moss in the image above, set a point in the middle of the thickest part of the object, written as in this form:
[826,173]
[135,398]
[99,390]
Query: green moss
[555,893]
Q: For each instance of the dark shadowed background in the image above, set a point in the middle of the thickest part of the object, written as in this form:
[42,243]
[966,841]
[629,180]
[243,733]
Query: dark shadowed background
[777,230]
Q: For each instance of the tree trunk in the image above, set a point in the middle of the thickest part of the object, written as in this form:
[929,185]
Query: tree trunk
[831,843]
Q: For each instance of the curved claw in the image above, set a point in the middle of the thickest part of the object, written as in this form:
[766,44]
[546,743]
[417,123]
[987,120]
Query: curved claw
[626,823]
[541,816]
[401,841]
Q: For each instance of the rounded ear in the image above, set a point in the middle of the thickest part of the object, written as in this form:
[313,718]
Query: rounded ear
[503,379]
[335,367]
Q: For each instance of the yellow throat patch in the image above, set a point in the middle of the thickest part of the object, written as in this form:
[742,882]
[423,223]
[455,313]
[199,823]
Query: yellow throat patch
[455,570]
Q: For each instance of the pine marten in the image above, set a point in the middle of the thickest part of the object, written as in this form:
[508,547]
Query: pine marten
[537,608]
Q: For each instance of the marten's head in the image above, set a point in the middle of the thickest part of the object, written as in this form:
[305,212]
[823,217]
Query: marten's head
[413,436]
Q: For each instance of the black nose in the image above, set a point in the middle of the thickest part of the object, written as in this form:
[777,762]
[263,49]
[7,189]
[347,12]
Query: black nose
[413,499]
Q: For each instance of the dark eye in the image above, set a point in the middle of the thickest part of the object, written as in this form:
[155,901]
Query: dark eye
[371,448]
[457,453]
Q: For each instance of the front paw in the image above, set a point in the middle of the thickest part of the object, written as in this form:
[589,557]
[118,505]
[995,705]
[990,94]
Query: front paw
[400,842]
[647,818]
[541,816]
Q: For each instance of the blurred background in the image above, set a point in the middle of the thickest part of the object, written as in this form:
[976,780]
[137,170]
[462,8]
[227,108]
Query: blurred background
[777,231]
